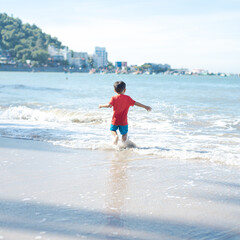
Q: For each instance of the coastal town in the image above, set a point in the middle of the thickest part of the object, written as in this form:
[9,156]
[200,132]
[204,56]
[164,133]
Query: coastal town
[65,60]
[25,47]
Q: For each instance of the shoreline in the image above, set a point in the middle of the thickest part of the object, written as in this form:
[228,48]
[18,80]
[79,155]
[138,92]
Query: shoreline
[61,69]
[9,68]
[51,192]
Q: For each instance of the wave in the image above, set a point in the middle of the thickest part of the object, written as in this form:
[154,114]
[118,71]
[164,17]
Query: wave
[159,121]
[51,115]
[214,140]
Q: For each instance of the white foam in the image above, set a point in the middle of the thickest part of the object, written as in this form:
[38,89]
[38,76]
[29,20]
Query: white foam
[53,115]
[168,132]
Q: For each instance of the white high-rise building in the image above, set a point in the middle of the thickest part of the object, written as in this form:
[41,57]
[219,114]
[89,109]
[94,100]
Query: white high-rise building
[100,57]
[77,59]
[66,53]
[56,53]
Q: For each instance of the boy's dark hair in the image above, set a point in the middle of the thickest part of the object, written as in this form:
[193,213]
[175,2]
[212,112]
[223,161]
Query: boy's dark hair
[119,86]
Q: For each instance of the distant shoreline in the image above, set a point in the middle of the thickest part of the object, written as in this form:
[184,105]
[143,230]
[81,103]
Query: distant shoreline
[14,68]
[62,69]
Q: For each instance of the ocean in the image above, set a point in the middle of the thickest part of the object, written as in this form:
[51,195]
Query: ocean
[193,118]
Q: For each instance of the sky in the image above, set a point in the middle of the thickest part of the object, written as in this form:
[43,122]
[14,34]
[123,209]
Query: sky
[183,33]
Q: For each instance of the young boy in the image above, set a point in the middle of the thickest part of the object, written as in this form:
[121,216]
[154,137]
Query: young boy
[121,104]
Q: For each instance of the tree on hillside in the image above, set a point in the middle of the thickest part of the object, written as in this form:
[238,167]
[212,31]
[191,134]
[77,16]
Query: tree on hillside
[40,56]
[25,41]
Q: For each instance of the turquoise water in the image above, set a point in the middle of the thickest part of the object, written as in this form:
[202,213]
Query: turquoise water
[192,118]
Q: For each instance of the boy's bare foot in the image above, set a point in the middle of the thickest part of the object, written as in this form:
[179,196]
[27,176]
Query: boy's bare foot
[115,140]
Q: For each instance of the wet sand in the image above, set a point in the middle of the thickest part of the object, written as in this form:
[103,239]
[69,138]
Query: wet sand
[50,192]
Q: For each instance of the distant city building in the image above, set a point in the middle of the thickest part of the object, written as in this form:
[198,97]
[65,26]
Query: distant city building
[118,64]
[52,50]
[124,64]
[55,53]
[100,57]
[80,55]
[66,53]
[121,64]
[77,59]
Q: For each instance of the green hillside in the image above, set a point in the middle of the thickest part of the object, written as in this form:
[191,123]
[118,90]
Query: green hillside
[25,41]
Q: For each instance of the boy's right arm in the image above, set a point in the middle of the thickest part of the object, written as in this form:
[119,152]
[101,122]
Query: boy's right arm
[143,106]
[105,105]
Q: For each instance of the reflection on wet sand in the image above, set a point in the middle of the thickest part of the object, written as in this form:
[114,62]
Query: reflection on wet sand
[117,189]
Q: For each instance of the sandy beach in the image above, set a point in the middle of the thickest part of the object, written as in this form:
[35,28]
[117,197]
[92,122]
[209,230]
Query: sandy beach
[50,192]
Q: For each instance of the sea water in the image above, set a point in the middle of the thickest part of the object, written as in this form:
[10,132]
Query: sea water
[192,117]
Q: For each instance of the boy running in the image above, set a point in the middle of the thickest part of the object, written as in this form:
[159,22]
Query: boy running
[121,104]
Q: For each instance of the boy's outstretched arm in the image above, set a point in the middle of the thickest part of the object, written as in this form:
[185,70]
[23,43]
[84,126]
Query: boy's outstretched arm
[143,106]
[105,105]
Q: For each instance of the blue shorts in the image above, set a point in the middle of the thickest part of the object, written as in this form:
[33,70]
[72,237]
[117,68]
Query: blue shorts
[123,129]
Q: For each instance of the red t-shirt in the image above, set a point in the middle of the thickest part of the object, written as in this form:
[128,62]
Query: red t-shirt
[121,104]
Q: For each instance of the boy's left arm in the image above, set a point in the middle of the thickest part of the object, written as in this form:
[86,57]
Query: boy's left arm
[143,106]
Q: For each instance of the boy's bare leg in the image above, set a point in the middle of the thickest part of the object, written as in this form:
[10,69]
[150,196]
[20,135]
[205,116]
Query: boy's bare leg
[114,133]
[124,137]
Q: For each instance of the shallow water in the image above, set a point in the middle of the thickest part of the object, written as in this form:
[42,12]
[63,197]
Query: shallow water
[193,117]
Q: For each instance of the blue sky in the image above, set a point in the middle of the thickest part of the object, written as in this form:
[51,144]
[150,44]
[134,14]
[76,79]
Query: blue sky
[183,33]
